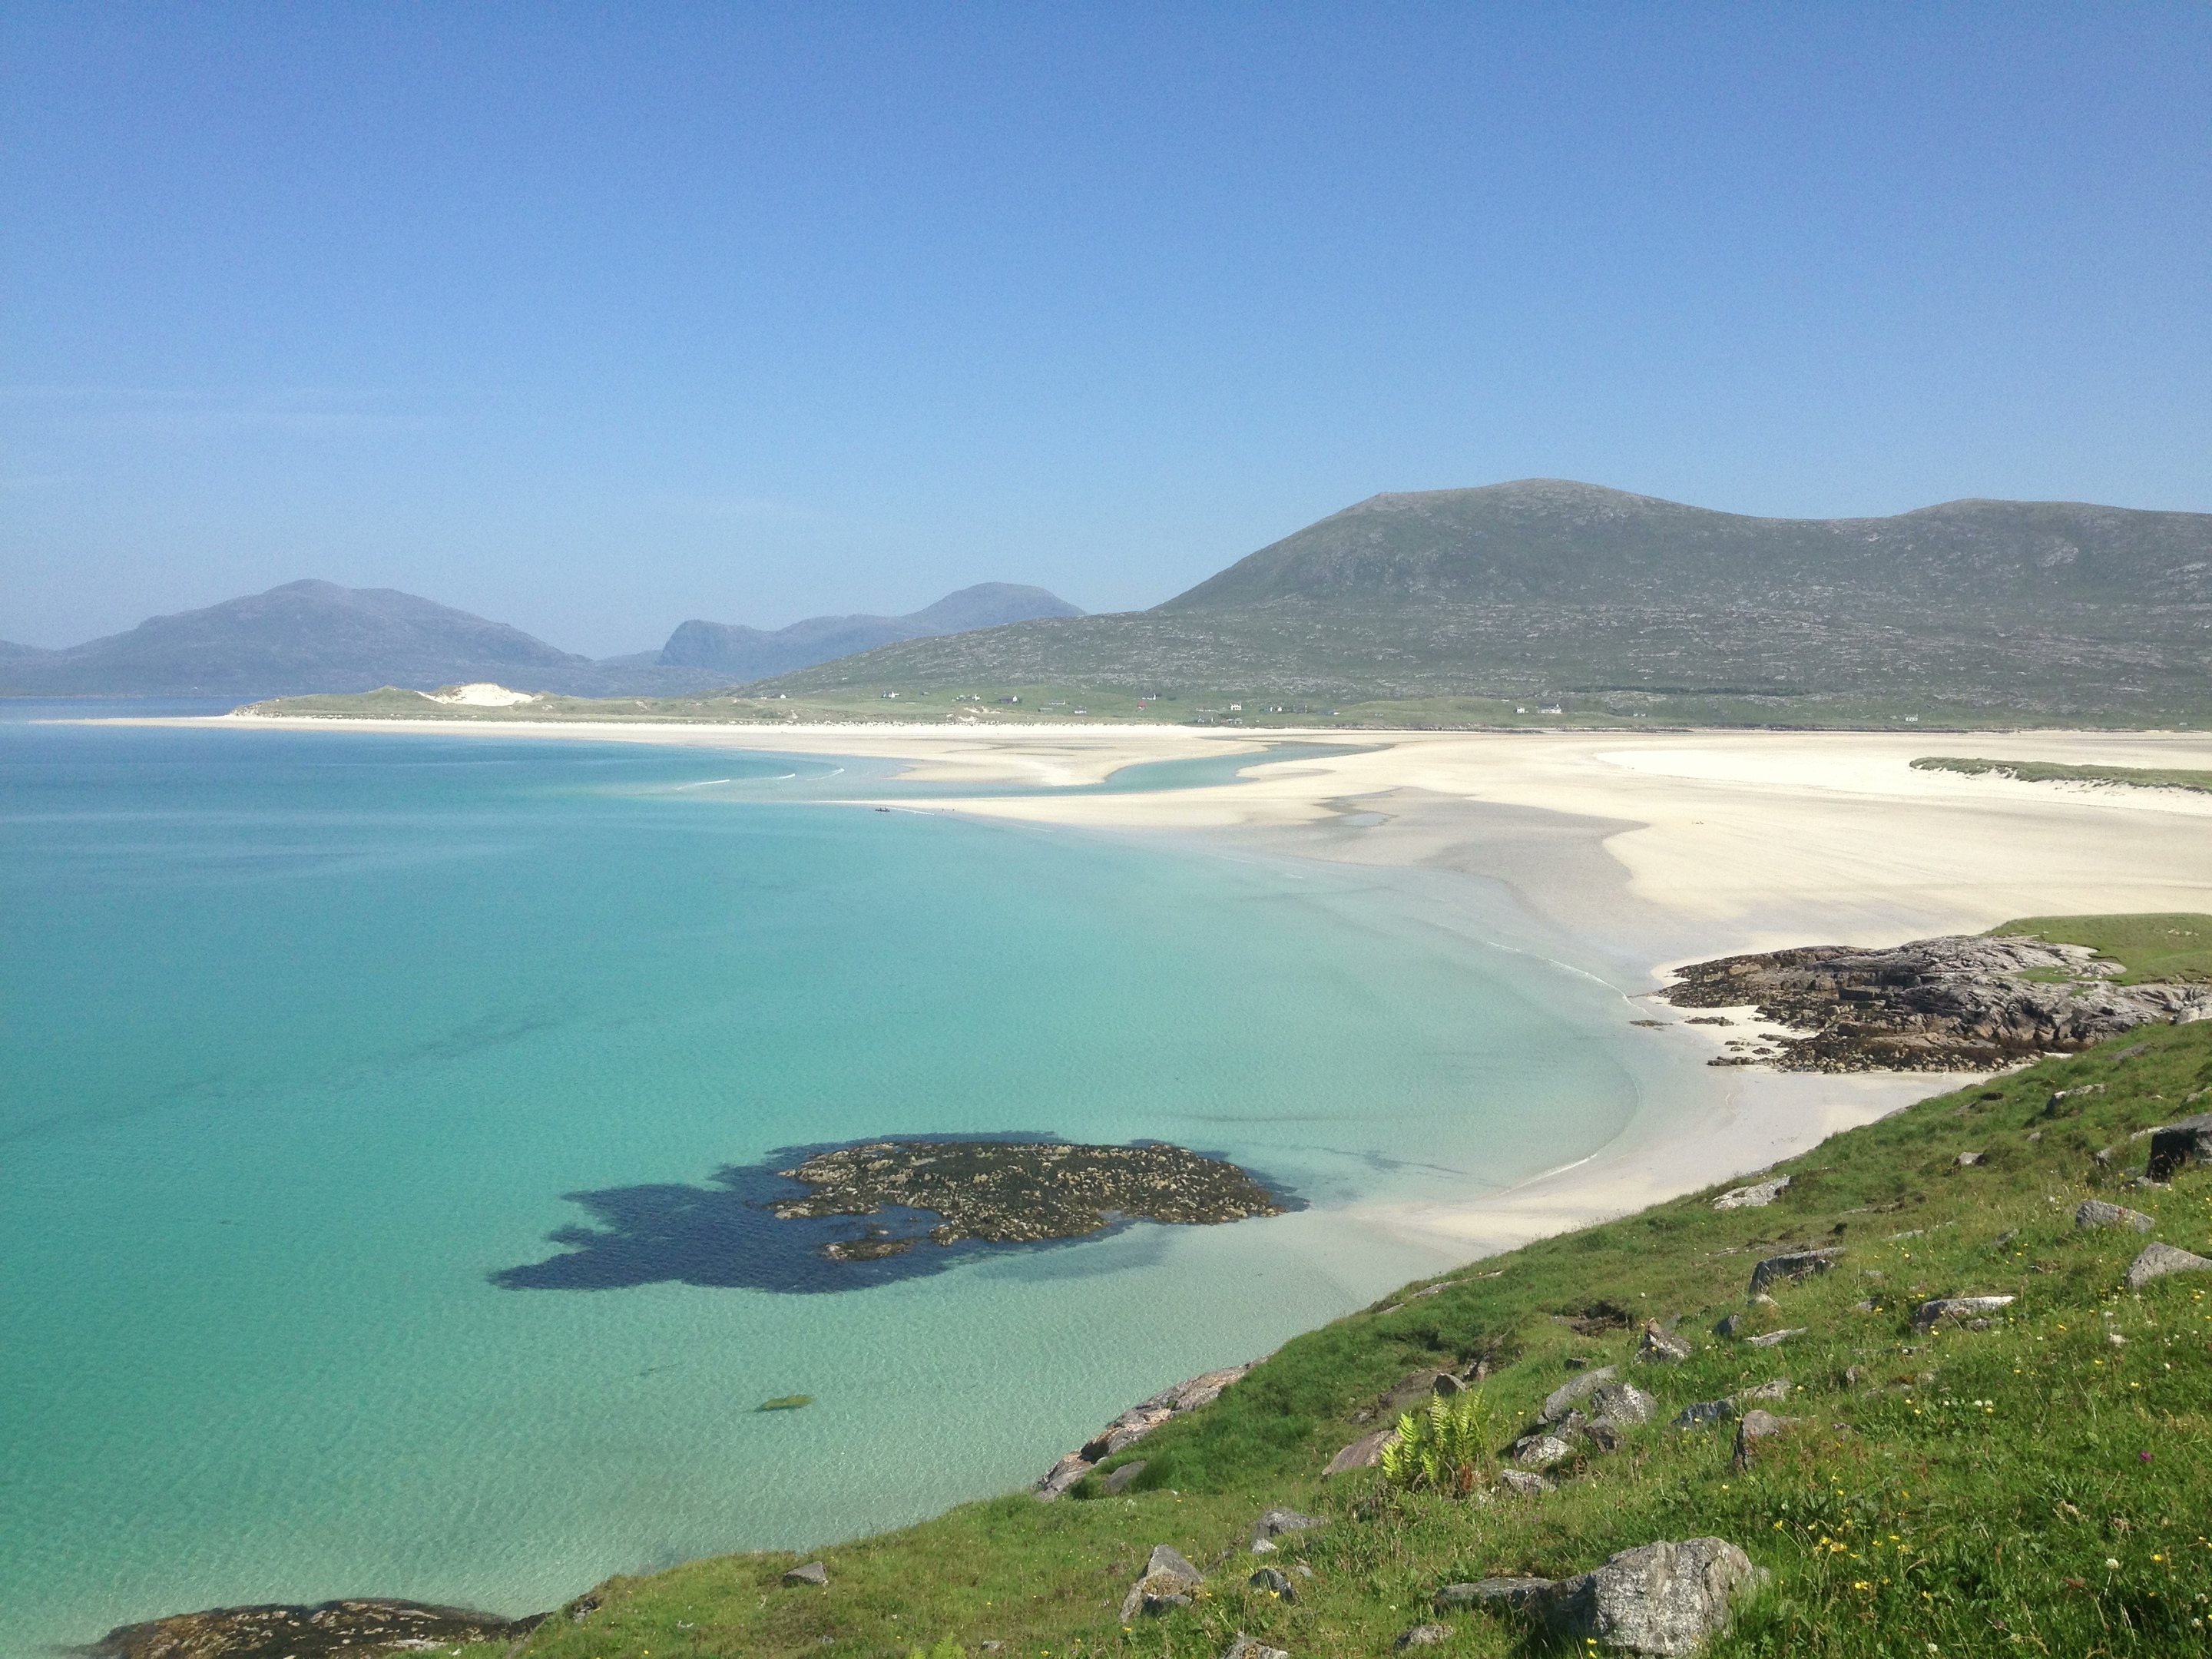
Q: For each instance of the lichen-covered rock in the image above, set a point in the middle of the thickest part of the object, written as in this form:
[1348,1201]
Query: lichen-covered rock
[1274,1583]
[1661,1598]
[1561,1399]
[1756,1196]
[1773,1388]
[2095,1213]
[1245,1647]
[1775,1339]
[2159,1260]
[1622,1404]
[1542,1451]
[1929,1314]
[1425,1636]
[1524,1483]
[1661,1347]
[1168,1581]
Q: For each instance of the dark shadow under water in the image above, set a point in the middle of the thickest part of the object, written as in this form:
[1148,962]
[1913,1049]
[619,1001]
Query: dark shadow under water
[723,1235]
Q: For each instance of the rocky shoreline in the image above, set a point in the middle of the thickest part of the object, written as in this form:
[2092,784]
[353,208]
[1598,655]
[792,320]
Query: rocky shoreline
[1968,1003]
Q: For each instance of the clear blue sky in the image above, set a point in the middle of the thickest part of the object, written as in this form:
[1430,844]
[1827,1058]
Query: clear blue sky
[595,318]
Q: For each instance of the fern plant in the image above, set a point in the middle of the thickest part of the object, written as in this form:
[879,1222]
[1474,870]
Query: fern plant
[1446,1448]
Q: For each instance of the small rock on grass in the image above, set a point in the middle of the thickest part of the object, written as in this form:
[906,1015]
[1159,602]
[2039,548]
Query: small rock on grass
[2095,1213]
[1623,1404]
[1423,1636]
[1756,1196]
[1523,1482]
[1361,1453]
[1245,1647]
[1755,1426]
[1795,1264]
[812,1573]
[1773,1338]
[1122,1476]
[1661,1347]
[1540,1451]
[1776,1388]
[1513,1595]
[1274,1523]
[1274,1583]
[1929,1314]
[2159,1260]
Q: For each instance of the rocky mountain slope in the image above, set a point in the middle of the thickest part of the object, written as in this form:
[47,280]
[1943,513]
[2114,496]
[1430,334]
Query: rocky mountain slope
[1549,588]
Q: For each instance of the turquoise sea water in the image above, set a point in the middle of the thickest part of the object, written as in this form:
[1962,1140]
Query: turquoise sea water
[306,1037]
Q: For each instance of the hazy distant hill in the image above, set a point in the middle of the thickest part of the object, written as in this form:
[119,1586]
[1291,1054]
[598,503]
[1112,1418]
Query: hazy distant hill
[1545,587]
[303,636]
[315,637]
[737,652]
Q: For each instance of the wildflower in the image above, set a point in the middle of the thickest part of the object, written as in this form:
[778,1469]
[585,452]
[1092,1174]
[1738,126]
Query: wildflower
[2111,1566]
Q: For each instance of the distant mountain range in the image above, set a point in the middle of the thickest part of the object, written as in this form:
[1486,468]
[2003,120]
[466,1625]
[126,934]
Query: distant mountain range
[310,636]
[1546,587]
[737,652]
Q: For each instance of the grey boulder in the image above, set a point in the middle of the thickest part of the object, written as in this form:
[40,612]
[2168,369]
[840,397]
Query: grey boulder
[1796,1265]
[812,1573]
[1122,1476]
[1930,1314]
[1661,1347]
[2189,1141]
[1622,1404]
[1168,1582]
[2159,1260]
[1361,1453]
[1274,1583]
[1662,1598]
[1542,1451]
[1561,1399]
[1274,1523]
[1245,1647]
[2095,1213]
[1524,1483]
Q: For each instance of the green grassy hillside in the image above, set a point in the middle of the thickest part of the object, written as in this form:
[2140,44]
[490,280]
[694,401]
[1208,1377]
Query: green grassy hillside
[1971,613]
[2153,949]
[2041,1486]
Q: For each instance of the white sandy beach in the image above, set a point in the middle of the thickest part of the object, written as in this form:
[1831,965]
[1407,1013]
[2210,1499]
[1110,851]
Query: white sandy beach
[1645,849]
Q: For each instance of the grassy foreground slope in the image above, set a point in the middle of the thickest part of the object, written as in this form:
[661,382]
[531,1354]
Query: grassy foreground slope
[2040,1486]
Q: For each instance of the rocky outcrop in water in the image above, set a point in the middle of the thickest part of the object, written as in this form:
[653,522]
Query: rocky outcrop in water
[1964,1003]
[1017,1192]
[354,1628]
